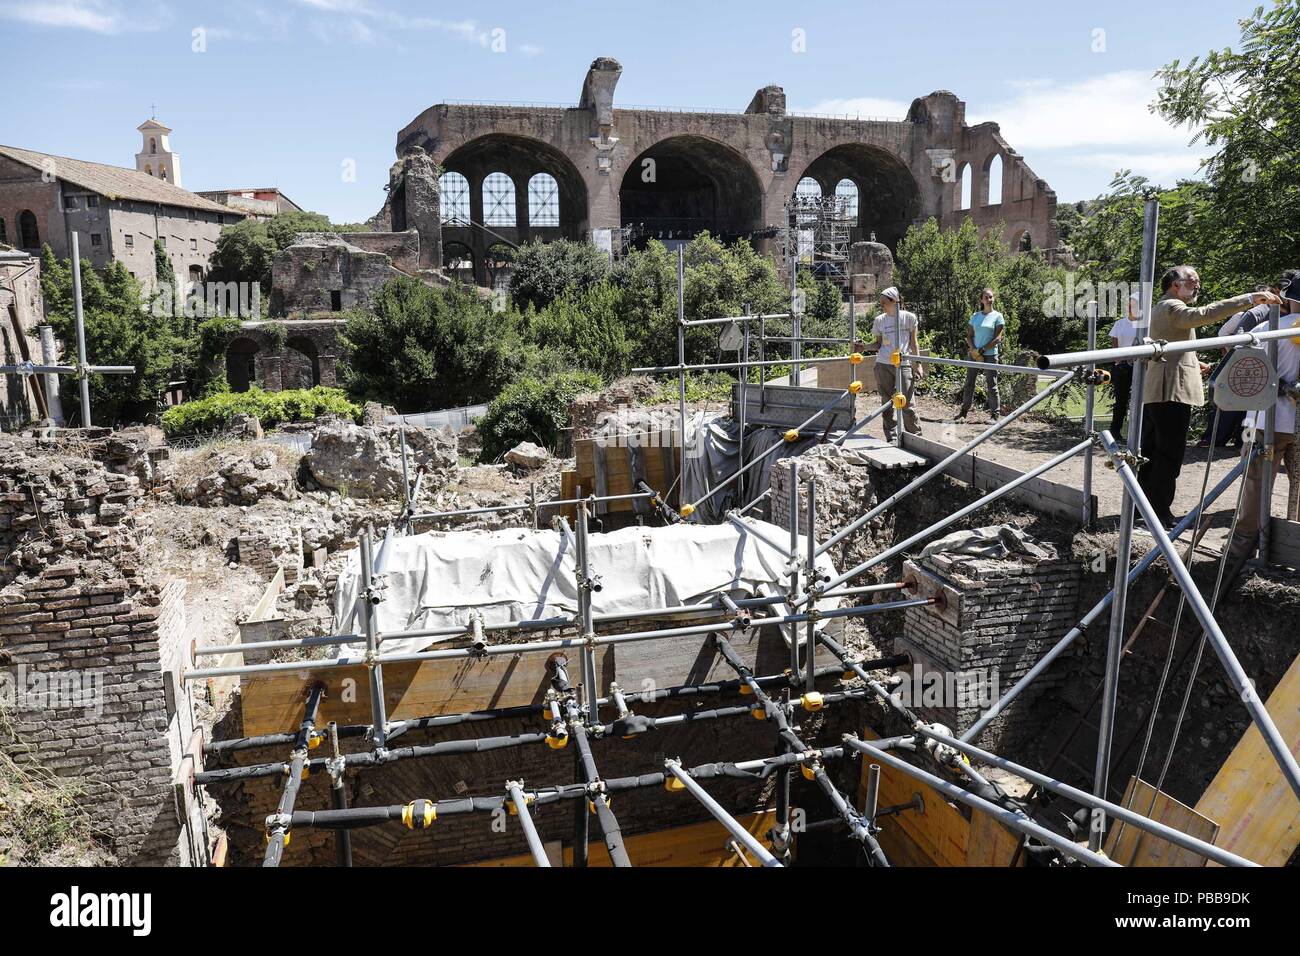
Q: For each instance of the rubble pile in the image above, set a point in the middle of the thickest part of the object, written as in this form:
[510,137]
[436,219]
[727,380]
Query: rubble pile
[366,461]
[242,477]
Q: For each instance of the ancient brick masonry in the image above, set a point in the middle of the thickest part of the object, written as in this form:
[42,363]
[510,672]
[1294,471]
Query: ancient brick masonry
[77,614]
[994,620]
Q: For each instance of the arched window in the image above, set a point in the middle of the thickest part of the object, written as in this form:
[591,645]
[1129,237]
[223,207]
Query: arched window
[995,181]
[808,189]
[1026,243]
[454,192]
[498,200]
[543,200]
[29,237]
[153,146]
[846,190]
[964,185]
[162,172]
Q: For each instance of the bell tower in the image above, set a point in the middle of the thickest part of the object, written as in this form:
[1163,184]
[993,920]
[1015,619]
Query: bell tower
[156,157]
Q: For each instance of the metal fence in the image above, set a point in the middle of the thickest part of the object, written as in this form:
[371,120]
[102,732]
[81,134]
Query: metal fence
[457,419]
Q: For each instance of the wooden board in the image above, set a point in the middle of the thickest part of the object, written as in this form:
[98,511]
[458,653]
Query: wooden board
[1134,847]
[617,476]
[697,844]
[942,835]
[1257,811]
[1047,496]
[1284,542]
[273,703]
[787,406]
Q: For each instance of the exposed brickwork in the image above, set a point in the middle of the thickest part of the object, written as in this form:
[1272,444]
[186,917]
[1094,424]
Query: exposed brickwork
[995,618]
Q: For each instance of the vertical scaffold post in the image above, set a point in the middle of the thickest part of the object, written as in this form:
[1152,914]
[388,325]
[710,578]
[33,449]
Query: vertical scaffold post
[793,629]
[900,347]
[810,632]
[796,317]
[338,797]
[1124,546]
[83,376]
[369,597]
[853,330]
[1269,463]
[681,370]
[1089,416]
[744,381]
[590,692]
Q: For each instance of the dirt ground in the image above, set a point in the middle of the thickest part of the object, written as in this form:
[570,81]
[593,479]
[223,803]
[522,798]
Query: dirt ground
[1027,442]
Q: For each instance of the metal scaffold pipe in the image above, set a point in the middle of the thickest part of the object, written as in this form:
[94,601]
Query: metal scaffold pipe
[732,825]
[520,802]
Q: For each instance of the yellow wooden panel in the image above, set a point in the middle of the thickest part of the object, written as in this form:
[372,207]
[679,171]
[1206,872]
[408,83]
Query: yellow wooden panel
[698,844]
[1138,848]
[1258,814]
[937,837]
[273,703]
[695,845]
[990,843]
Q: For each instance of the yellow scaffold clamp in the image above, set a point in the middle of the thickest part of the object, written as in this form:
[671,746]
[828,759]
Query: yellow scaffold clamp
[900,401]
[855,358]
[591,804]
[855,388]
[419,814]
[812,701]
[687,510]
[896,357]
[672,784]
[557,741]
[792,435]
[514,808]
[745,689]
[809,770]
[314,741]
[759,713]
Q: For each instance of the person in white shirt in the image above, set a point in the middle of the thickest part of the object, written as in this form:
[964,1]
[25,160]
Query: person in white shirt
[1123,333]
[895,329]
[1246,536]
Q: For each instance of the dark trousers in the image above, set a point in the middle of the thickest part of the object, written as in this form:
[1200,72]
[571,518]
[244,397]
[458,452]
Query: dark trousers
[1164,443]
[1121,382]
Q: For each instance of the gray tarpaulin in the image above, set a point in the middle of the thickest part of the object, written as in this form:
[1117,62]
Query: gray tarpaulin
[718,459]
[441,579]
[996,541]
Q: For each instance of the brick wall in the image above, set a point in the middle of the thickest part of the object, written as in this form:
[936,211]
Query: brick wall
[994,619]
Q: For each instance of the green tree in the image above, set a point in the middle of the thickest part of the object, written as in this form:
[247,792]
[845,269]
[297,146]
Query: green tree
[245,251]
[121,329]
[531,409]
[587,329]
[541,272]
[422,348]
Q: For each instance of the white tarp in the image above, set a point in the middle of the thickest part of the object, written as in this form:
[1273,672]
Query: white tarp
[440,579]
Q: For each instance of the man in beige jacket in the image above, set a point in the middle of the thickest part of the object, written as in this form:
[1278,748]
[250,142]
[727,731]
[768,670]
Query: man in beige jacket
[1173,385]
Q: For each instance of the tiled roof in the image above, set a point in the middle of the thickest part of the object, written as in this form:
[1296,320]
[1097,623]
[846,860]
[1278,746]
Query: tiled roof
[115,182]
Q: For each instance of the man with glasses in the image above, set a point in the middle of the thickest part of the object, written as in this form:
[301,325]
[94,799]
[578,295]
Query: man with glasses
[983,333]
[1173,384]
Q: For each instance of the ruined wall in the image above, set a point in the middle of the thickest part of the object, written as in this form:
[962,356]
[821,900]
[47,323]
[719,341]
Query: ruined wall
[22,310]
[90,644]
[322,272]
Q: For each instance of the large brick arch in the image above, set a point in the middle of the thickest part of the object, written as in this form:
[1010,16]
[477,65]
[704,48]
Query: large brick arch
[889,198]
[688,182]
[307,355]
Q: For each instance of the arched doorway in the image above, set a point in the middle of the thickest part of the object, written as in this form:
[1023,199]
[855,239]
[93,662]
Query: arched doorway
[300,365]
[458,262]
[685,185]
[241,364]
[29,237]
[888,199]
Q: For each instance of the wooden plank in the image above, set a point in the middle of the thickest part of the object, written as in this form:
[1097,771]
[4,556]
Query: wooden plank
[937,837]
[785,406]
[272,703]
[1258,814]
[990,843]
[1134,847]
[695,845]
[1284,542]
[1051,497]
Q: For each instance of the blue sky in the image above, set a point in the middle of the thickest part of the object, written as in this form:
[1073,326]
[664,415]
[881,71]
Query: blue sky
[287,92]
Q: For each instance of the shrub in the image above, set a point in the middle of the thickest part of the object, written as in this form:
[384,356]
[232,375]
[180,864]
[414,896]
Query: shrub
[542,272]
[532,409]
[270,408]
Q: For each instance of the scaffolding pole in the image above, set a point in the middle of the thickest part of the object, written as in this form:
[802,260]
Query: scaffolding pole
[732,825]
[278,824]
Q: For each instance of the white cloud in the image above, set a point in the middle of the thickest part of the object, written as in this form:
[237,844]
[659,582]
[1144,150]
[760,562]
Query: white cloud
[91,15]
